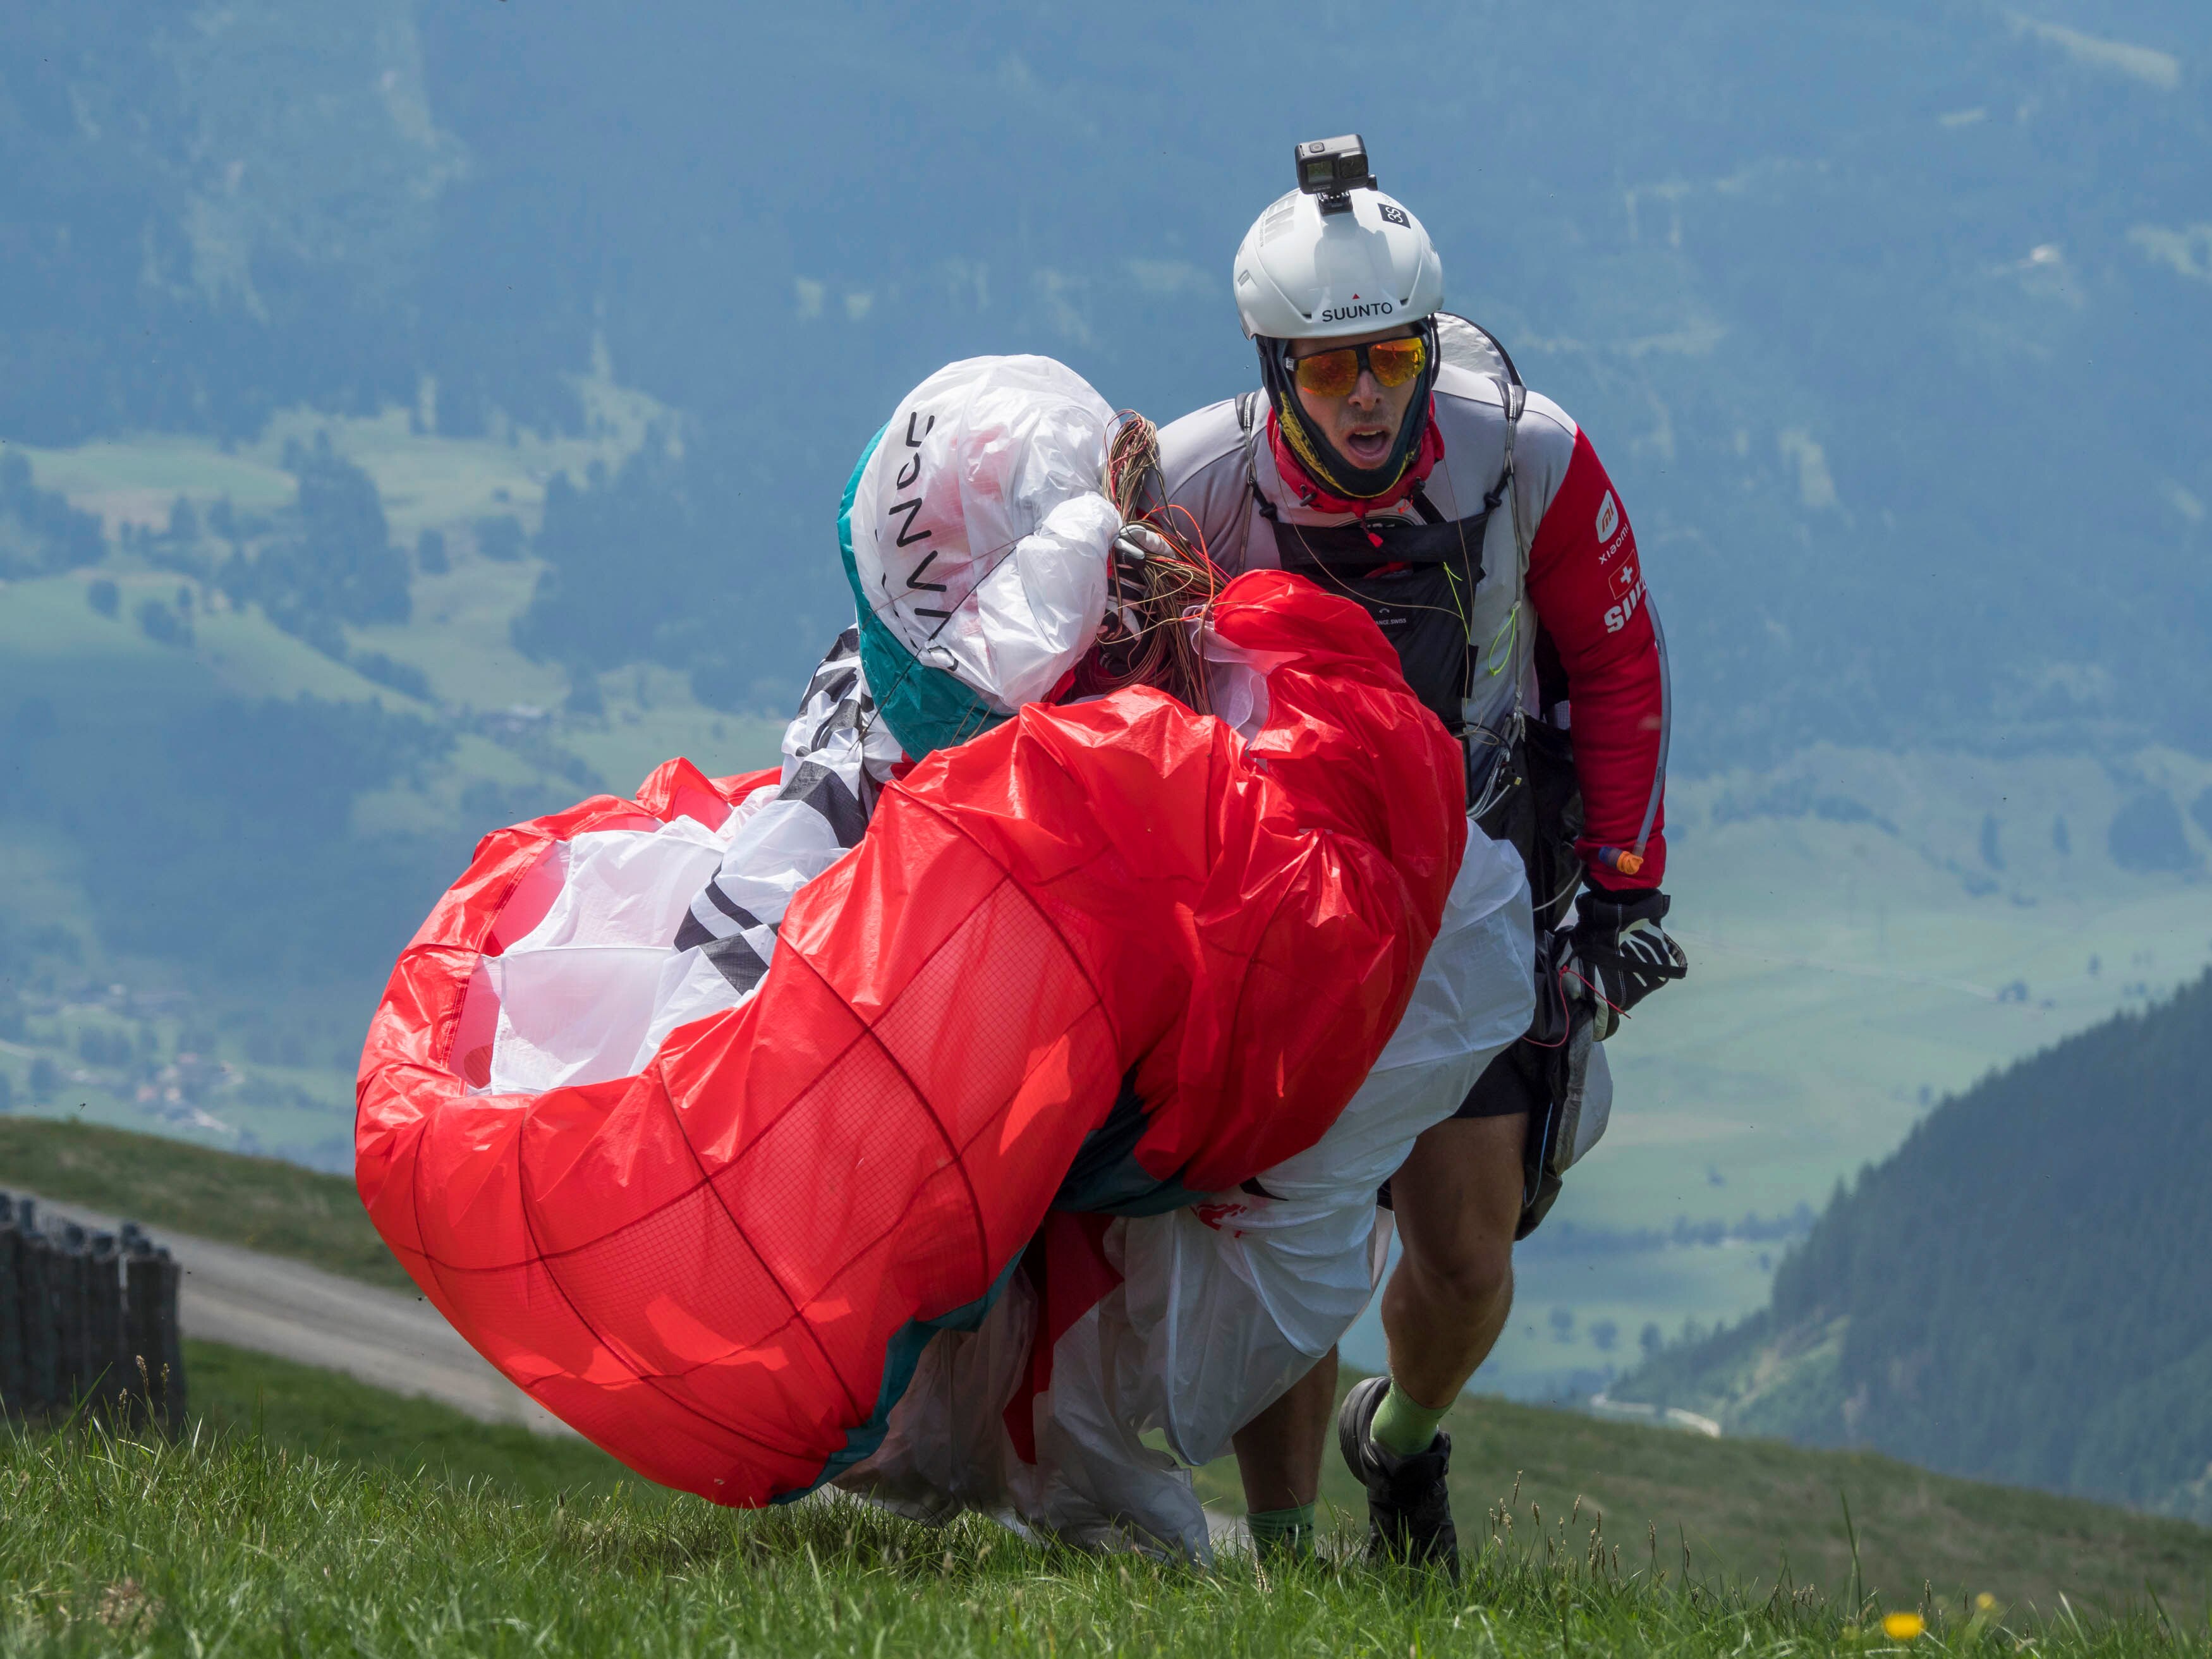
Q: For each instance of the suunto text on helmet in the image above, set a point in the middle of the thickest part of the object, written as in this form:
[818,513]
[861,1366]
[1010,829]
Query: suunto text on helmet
[1347,313]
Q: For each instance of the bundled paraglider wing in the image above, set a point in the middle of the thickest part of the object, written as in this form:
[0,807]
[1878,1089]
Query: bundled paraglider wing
[1104,956]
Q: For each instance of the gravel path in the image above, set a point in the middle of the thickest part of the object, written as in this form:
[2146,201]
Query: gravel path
[395,1341]
[392,1339]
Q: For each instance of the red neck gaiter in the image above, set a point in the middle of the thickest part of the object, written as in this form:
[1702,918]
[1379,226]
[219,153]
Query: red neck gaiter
[1301,482]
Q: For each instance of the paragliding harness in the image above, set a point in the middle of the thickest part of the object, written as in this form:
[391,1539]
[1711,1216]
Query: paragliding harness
[1417,581]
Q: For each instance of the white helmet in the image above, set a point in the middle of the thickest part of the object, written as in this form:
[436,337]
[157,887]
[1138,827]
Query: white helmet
[1305,274]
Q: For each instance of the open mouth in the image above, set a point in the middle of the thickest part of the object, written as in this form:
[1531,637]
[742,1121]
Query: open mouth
[1369,445]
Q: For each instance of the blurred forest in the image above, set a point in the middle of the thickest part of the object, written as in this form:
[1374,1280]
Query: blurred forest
[2017,1293]
[1876,311]
[414,417]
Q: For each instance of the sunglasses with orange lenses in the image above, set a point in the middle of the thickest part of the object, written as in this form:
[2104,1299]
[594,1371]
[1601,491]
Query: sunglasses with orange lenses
[1334,374]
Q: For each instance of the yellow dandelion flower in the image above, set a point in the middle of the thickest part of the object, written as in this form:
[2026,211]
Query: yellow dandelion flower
[1902,1626]
[1985,1600]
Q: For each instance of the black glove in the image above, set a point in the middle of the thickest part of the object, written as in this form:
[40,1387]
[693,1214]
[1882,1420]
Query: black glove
[1620,953]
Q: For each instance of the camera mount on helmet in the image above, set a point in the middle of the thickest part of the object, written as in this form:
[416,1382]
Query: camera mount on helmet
[1332,169]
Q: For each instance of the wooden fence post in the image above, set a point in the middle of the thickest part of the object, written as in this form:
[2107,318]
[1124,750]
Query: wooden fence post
[88,1321]
[106,1381]
[66,1290]
[14,1378]
[154,1340]
[36,1311]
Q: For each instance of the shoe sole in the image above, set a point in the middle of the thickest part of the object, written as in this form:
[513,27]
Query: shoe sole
[1353,1418]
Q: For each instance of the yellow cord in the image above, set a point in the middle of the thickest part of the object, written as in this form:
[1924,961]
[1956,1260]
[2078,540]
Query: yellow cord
[1511,625]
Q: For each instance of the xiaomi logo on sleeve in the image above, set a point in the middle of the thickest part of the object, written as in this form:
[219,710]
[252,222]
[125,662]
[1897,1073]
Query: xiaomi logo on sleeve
[1609,518]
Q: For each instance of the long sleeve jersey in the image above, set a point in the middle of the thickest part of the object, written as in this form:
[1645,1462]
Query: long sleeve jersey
[1580,586]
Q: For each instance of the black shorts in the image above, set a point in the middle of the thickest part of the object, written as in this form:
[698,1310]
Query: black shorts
[1515,1084]
[1509,1083]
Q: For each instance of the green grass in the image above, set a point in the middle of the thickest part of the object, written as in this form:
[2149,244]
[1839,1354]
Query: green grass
[303,1411]
[1747,1510]
[1738,1507]
[1741,1509]
[1755,1512]
[258,1202]
[229,1544]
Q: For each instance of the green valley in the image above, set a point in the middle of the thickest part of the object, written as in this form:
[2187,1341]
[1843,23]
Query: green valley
[1858,954]
[2016,1293]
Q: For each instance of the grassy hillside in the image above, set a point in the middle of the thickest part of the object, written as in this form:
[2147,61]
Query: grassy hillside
[1739,1509]
[258,1202]
[232,1543]
[1746,1510]
[1753,1513]
[302,1411]
[1747,1513]
[171,1550]
[2017,1292]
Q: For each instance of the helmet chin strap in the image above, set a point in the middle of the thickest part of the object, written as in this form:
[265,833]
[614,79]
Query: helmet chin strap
[1330,466]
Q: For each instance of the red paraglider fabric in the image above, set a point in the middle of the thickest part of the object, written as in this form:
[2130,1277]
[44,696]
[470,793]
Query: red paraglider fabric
[720,1269]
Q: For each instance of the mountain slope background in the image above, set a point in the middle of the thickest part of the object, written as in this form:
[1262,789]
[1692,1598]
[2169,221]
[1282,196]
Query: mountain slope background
[413,417]
[2017,1293]
[1874,310]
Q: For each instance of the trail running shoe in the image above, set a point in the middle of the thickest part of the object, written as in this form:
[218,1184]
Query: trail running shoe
[1409,1518]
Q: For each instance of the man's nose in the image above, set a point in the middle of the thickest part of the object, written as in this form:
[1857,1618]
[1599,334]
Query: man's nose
[1366,392]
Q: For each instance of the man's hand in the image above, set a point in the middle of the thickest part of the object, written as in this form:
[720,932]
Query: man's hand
[1621,953]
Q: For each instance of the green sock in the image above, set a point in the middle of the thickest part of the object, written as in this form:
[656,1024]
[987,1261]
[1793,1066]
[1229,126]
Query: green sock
[1402,1425]
[1281,1535]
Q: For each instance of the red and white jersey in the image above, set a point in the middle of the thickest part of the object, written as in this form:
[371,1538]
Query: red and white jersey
[1561,563]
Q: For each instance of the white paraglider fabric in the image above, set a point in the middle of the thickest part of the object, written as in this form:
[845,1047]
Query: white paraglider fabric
[979,536]
[1223,1304]
[980,540]
[659,925]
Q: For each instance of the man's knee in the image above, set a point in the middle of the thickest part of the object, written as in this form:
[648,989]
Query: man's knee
[1467,1270]
[1458,1201]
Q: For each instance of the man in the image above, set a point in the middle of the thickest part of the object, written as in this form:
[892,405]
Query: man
[1482,534]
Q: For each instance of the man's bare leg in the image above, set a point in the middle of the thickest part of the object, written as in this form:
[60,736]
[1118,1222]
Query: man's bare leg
[1457,1200]
[1279,1451]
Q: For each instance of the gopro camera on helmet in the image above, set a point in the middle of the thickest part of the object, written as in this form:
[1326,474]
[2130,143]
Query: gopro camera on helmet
[1332,169]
